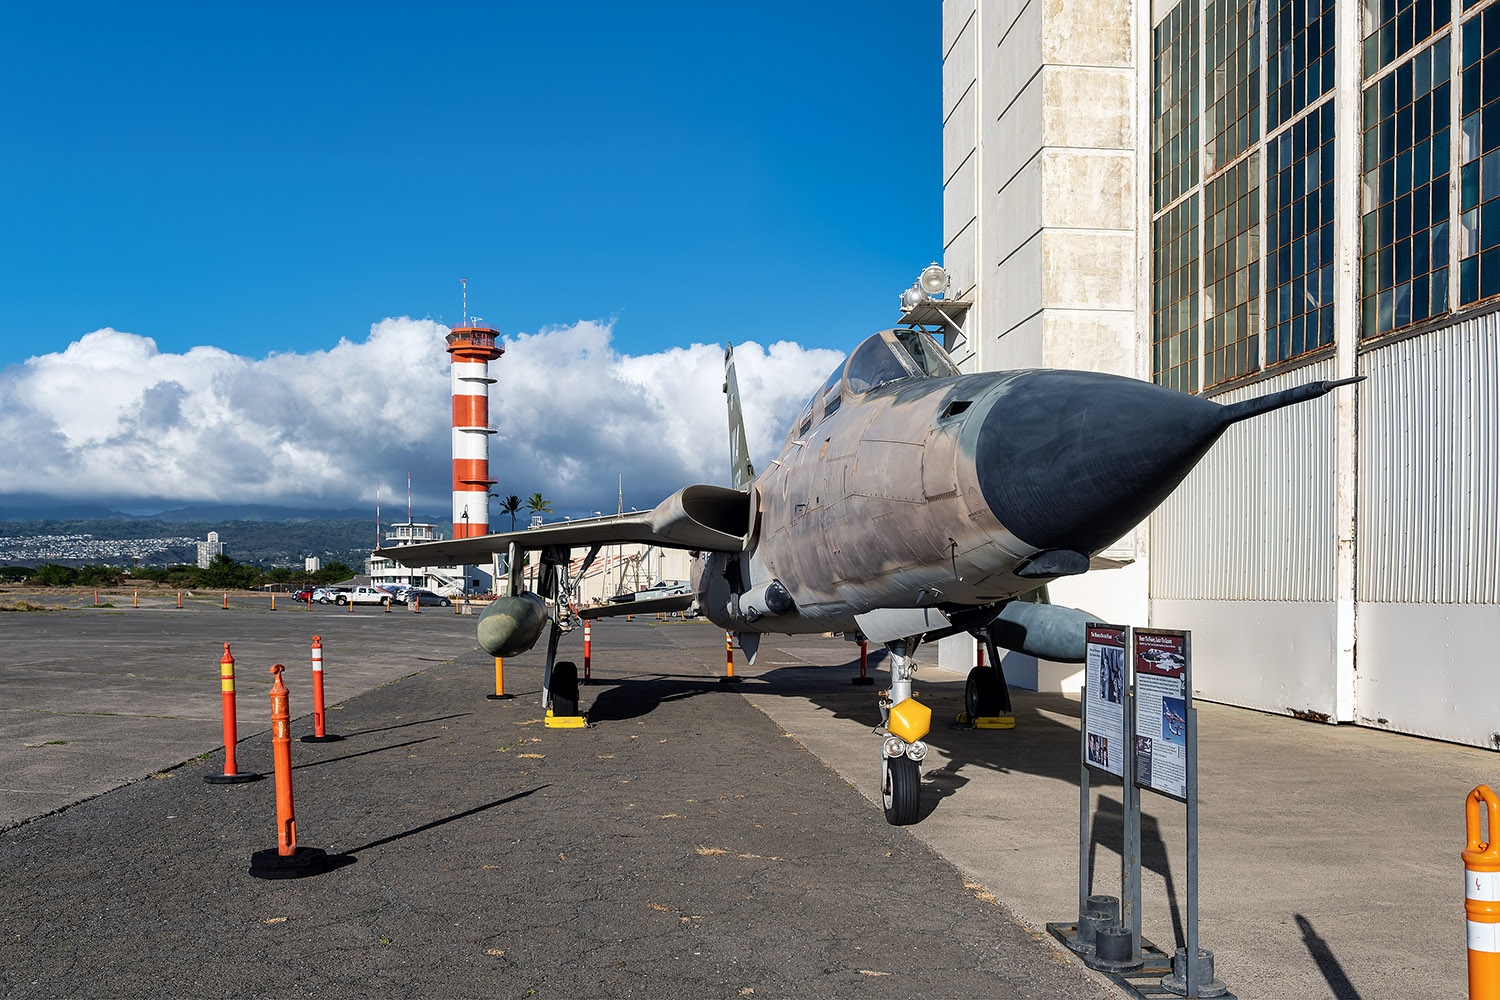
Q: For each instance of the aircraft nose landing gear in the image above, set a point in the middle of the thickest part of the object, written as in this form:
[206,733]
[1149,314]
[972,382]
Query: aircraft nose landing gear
[901,753]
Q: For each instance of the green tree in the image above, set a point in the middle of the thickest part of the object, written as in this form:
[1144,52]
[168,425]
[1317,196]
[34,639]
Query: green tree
[14,574]
[99,576]
[333,572]
[511,505]
[53,575]
[224,573]
[537,505]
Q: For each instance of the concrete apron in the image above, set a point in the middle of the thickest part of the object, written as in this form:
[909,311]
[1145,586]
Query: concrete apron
[1329,855]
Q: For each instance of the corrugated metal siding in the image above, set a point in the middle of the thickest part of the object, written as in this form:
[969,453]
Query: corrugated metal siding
[1255,519]
[1429,468]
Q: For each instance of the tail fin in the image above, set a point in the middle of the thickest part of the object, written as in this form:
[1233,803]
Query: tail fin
[741,472]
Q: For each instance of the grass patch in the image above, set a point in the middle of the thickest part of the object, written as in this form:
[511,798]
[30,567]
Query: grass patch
[22,606]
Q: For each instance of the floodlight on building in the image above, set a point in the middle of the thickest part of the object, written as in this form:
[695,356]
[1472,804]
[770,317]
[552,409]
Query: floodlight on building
[912,297]
[934,279]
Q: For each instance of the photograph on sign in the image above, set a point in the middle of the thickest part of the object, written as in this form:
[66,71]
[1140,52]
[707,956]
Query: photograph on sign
[1162,679]
[1104,698]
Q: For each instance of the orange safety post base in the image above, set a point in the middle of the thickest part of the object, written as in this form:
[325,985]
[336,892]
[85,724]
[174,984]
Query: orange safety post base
[1482,893]
[286,859]
[320,733]
[864,663]
[729,660]
[231,775]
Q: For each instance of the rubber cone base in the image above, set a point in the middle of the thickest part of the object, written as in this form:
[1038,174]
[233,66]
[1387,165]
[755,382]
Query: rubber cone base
[499,697]
[306,861]
[330,738]
[232,779]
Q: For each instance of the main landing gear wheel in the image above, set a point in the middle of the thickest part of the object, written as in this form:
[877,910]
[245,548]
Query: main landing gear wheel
[981,694]
[900,790]
[565,688]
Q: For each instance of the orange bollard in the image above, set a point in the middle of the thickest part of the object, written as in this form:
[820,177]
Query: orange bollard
[499,694]
[96,597]
[226,600]
[135,601]
[319,734]
[179,599]
[588,652]
[729,660]
[231,775]
[864,663]
[1482,895]
[273,602]
[287,860]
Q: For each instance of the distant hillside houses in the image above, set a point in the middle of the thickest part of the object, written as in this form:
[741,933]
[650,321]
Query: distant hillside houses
[87,548]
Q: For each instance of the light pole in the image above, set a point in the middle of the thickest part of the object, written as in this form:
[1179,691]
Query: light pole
[464,569]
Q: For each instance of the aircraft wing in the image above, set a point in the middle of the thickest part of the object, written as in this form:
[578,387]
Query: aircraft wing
[650,606]
[707,518]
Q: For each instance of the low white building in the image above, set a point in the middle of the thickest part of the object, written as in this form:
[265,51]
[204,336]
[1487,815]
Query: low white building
[446,580]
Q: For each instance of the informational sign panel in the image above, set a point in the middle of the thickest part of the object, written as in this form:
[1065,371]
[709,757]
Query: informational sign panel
[1104,698]
[1163,691]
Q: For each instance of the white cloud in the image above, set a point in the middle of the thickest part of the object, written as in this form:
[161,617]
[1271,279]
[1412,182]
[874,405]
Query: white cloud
[113,419]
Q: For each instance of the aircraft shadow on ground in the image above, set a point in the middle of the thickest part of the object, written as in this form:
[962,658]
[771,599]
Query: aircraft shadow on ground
[1043,743]
[633,697]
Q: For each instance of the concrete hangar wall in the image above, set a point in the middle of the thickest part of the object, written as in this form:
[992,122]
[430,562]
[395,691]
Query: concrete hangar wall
[1230,197]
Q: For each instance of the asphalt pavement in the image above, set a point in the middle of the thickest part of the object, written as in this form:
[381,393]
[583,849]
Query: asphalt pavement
[684,845]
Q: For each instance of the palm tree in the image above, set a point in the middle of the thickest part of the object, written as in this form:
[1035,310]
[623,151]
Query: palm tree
[510,505]
[537,505]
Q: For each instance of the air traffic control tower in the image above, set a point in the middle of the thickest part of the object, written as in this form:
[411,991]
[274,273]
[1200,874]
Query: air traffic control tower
[471,348]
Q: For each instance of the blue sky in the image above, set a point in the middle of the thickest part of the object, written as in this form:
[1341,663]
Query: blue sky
[275,177]
[230,236]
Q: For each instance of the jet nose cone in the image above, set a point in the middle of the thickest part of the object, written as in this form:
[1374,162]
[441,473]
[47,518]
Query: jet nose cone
[1073,460]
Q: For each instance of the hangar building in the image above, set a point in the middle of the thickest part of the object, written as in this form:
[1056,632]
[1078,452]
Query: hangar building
[1230,197]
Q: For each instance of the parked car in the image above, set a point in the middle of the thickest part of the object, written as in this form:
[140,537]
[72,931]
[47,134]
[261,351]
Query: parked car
[327,595]
[302,595]
[363,595]
[422,596]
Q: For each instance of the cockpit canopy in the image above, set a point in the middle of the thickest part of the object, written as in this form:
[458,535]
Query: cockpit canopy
[888,356]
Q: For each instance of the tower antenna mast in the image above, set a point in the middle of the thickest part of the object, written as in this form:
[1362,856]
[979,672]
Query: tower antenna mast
[465,283]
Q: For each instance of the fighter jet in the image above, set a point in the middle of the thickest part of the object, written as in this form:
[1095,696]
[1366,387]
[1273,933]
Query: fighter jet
[909,502]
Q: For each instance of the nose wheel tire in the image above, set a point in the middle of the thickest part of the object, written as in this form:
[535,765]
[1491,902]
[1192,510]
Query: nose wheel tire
[565,688]
[900,789]
[981,694]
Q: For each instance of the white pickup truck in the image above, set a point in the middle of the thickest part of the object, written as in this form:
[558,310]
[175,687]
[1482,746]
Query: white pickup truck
[363,595]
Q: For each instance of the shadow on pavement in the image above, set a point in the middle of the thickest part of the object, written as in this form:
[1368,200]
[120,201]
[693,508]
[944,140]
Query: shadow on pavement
[362,753]
[419,722]
[1328,965]
[444,821]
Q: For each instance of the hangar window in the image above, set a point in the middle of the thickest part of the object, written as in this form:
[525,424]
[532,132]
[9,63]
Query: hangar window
[874,363]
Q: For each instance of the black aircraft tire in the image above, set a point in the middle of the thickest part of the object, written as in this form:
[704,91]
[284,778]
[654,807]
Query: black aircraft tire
[981,694]
[565,688]
[900,790]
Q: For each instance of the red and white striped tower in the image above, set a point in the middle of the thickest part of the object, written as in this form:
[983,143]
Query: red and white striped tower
[471,347]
